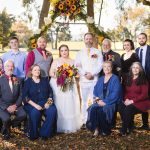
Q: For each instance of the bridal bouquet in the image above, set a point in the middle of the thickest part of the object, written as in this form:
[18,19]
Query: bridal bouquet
[65,74]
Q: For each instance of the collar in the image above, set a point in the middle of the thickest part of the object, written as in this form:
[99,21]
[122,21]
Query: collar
[40,50]
[7,77]
[144,47]
[14,53]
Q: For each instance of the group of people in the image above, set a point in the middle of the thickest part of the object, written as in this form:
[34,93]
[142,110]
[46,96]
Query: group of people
[29,90]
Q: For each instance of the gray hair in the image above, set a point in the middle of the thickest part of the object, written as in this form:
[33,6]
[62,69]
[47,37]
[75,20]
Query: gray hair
[107,40]
[8,61]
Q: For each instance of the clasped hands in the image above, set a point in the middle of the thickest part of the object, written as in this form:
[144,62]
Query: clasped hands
[128,102]
[100,102]
[12,108]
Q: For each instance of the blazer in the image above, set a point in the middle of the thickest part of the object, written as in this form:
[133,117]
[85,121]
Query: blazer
[147,61]
[7,97]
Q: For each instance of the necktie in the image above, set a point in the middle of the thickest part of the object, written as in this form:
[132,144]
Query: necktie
[88,50]
[10,84]
[44,55]
[141,55]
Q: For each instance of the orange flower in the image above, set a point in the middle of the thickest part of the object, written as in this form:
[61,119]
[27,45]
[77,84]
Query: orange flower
[68,2]
[73,7]
[72,1]
[67,13]
[33,45]
[79,10]
[61,6]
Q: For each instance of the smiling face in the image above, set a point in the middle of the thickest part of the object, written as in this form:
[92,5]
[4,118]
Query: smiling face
[64,52]
[142,39]
[136,69]
[107,68]
[88,40]
[41,43]
[36,71]
[106,46]
[127,46]
[14,44]
[9,68]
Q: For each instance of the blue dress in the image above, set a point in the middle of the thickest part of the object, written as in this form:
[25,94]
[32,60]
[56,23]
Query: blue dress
[101,116]
[39,93]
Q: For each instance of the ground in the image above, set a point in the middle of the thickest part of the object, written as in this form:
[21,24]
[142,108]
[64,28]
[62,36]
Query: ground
[82,140]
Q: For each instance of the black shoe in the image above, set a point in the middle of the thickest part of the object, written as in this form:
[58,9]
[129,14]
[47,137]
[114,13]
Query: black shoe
[6,136]
[122,134]
[144,127]
[83,126]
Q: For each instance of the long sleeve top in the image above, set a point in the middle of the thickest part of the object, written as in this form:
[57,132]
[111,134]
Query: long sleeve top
[139,95]
[37,92]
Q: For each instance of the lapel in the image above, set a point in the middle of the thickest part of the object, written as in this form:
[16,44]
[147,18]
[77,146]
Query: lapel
[7,85]
[147,55]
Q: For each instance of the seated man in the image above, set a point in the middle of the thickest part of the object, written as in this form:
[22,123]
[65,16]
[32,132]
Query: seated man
[10,99]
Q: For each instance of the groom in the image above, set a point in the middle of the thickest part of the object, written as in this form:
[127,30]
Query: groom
[89,63]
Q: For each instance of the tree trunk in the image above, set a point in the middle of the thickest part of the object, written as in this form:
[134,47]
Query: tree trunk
[44,12]
[90,10]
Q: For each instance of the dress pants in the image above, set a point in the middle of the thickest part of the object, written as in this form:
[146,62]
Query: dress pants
[49,125]
[5,116]
[127,115]
[86,94]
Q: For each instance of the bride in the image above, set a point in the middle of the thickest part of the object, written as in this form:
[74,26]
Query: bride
[67,103]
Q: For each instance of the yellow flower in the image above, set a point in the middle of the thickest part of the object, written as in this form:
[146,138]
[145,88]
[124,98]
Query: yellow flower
[61,6]
[67,13]
[68,2]
[33,45]
[33,41]
[100,39]
[73,7]
[70,73]
[72,1]
[65,65]
[79,10]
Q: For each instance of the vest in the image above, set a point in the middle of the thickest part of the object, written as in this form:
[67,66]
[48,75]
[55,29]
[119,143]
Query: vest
[44,64]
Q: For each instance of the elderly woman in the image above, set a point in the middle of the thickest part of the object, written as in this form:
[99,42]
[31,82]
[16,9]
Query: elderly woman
[107,93]
[135,97]
[37,96]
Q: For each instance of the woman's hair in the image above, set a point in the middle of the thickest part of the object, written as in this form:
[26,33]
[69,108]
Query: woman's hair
[29,74]
[63,45]
[131,43]
[141,77]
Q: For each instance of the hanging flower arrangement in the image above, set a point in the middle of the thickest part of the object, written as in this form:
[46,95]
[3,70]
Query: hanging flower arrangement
[67,8]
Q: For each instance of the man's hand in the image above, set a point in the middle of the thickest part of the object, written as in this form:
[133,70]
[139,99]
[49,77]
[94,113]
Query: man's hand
[88,76]
[101,103]
[128,102]
[38,107]
[12,108]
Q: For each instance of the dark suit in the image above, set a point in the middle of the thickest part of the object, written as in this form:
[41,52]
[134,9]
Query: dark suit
[8,98]
[147,71]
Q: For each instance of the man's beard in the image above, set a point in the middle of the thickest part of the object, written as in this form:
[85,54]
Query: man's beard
[89,45]
[142,44]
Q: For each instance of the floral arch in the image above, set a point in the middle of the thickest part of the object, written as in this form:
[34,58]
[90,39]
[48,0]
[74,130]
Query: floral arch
[71,10]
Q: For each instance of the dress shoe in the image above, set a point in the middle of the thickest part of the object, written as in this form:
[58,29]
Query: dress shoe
[144,127]
[6,136]
[105,134]
[83,126]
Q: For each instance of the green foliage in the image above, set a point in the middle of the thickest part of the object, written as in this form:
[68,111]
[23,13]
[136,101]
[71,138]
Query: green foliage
[6,21]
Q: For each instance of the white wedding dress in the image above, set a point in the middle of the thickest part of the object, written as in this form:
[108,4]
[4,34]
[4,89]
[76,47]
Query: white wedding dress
[68,107]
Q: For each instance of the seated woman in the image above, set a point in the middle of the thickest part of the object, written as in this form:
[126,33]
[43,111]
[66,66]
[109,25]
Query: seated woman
[108,93]
[37,96]
[135,97]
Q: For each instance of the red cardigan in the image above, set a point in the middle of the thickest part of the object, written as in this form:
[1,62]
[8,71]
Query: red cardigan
[139,95]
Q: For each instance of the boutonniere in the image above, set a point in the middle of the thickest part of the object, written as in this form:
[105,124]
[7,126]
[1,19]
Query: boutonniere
[48,53]
[94,56]
[15,80]
[111,57]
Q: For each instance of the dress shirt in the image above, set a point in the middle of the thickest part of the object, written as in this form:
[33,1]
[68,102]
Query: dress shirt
[19,59]
[144,54]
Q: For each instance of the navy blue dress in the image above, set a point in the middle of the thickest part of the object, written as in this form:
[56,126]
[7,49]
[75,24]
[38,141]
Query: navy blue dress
[39,93]
[101,116]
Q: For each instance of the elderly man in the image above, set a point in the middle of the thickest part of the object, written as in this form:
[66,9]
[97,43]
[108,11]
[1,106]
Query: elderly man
[110,55]
[10,99]
[89,62]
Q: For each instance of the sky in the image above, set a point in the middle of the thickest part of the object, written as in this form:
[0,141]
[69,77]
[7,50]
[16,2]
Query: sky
[107,21]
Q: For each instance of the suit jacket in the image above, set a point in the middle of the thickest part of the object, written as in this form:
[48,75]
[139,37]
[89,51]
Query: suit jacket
[89,64]
[147,61]
[7,97]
